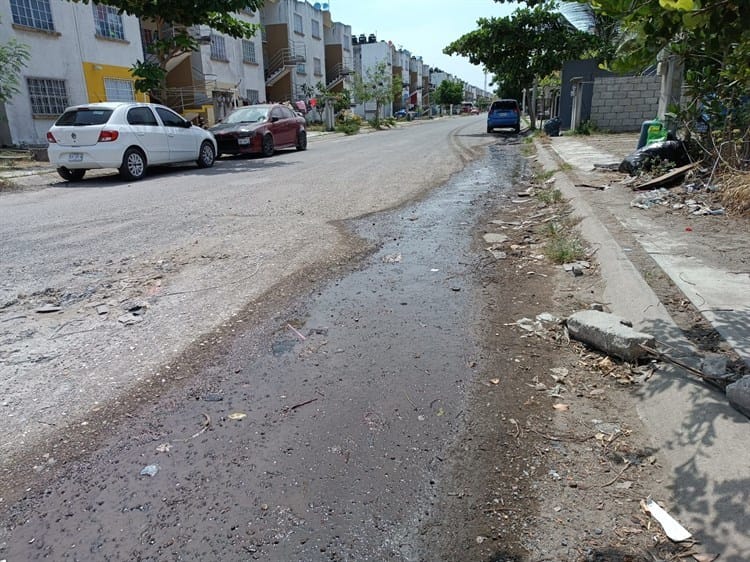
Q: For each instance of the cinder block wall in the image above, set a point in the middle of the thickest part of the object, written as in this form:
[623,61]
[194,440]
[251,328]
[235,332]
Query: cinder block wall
[621,103]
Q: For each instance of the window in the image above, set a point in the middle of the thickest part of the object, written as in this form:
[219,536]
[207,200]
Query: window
[32,13]
[142,116]
[119,90]
[248,51]
[347,42]
[170,118]
[84,116]
[48,96]
[298,24]
[253,96]
[301,68]
[286,113]
[317,67]
[108,22]
[316,29]
[218,47]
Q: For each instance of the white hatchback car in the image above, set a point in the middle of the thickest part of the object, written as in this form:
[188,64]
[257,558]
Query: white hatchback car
[125,135]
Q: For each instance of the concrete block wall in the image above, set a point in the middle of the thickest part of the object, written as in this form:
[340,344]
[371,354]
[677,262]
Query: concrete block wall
[622,103]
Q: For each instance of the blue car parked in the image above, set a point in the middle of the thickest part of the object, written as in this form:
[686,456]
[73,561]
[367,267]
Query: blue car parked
[504,114]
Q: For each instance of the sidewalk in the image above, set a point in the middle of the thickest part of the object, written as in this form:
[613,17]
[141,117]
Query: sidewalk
[693,427]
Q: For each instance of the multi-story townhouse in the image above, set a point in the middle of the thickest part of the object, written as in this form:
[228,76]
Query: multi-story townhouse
[427,101]
[80,53]
[339,61]
[401,58]
[224,73]
[368,53]
[415,81]
[294,48]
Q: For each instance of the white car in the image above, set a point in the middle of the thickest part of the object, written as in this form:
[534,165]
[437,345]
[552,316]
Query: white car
[125,135]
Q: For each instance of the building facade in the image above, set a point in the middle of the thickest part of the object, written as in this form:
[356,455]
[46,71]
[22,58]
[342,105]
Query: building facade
[80,53]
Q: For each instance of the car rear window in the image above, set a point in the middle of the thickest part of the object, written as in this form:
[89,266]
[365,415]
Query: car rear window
[84,116]
[504,105]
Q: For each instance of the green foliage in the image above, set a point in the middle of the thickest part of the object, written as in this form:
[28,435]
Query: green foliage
[531,42]
[449,92]
[376,85]
[713,40]
[348,123]
[586,128]
[13,58]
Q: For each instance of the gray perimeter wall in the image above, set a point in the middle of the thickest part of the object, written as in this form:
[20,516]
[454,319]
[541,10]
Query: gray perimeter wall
[622,103]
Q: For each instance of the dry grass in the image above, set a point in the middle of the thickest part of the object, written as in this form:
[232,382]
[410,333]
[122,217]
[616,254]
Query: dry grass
[735,194]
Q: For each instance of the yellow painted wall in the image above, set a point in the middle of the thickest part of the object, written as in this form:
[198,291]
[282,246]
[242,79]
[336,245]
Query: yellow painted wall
[95,74]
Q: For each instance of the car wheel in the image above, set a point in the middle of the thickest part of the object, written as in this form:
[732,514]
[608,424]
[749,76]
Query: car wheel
[206,156]
[267,146]
[133,164]
[302,140]
[489,129]
[517,129]
[71,175]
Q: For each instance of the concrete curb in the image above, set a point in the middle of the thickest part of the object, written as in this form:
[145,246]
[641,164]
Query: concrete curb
[693,428]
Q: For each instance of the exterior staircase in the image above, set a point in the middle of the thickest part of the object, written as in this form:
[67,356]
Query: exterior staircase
[283,61]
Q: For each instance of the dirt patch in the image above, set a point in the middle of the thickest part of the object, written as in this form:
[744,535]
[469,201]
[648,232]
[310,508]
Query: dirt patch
[557,461]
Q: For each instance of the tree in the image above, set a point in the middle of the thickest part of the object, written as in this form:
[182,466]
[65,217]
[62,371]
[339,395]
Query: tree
[176,16]
[712,40]
[376,85]
[529,44]
[449,92]
[13,57]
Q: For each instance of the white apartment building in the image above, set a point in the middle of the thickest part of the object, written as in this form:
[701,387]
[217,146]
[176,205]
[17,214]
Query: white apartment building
[224,73]
[367,56]
[80,53]
[294,48]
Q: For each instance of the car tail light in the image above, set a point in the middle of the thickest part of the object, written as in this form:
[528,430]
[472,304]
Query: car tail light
[108,136]
[51,138]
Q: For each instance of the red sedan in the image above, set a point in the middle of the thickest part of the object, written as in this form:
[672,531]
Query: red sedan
[260,129]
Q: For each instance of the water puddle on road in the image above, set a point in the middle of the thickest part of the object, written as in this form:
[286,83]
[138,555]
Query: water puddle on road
[347,417]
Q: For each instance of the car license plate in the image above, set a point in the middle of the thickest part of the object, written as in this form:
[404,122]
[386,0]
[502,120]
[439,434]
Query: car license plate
[75,157]
[243,141]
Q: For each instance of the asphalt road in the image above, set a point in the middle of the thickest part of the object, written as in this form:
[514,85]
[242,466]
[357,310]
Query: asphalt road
[182,255]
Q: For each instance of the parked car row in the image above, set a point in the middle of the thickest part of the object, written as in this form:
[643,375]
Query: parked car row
[131,136]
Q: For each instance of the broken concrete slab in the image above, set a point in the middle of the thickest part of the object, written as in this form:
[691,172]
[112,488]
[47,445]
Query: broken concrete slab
[738,394]
[609,334]
[495,238]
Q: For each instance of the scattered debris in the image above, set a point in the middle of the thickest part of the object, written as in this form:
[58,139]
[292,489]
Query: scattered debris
[392,258]
[561,407]
[495,238]
[296,332]
[237,416]
[305,403]
[672,528]
[102,309]
[47,308]
[130,318]
[150,470]
[607,332]
[648,200]
[738,394]
[163,448]
[666,179]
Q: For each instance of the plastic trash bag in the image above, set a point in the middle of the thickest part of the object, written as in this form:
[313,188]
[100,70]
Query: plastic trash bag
[643,158]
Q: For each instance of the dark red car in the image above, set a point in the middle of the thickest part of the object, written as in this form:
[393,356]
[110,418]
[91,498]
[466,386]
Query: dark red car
[260,129]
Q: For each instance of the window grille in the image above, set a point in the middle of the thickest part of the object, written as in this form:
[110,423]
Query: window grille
[218,47]
[32,13]
[48,96]
[248,51]
[119,90]
[108,22]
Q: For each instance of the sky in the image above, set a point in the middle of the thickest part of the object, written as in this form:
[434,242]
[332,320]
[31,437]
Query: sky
[422,27]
